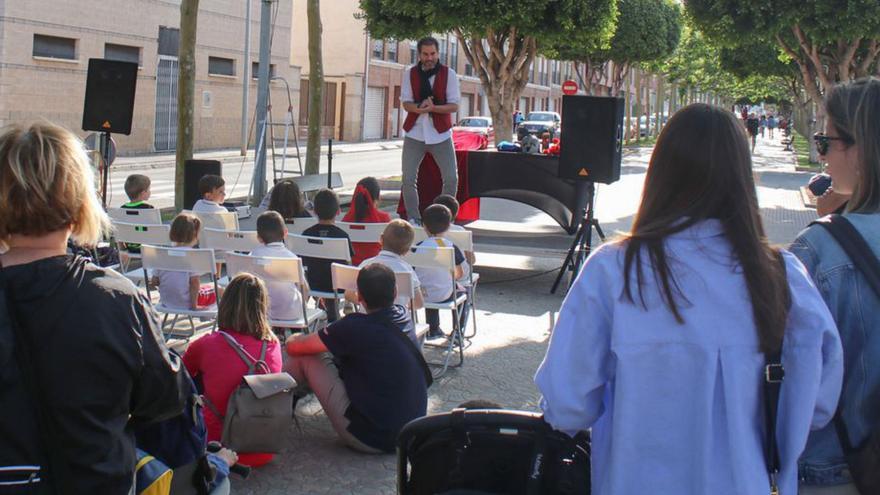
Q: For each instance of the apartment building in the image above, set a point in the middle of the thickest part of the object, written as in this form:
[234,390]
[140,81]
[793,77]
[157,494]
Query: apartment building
[45,47]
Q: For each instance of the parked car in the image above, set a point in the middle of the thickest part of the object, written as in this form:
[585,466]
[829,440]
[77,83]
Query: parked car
[538,123]
[478,124]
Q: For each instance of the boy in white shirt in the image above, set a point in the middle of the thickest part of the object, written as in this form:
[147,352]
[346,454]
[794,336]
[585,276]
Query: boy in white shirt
[396,241]
[437,284]
[285,299]
[450,202]
[213,191]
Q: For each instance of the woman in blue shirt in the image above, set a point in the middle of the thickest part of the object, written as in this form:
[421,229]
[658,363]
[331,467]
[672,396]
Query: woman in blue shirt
[851,148]
[660,344]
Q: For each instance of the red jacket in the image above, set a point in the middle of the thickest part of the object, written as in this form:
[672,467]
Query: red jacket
[442,121]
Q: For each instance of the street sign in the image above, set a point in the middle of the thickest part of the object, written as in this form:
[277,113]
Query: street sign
[569,87]
[92,143]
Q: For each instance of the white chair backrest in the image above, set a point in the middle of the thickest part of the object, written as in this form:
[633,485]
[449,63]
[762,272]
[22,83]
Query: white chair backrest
[344,276]
[463,239]
[241,240]
[319,247]
[226,220]
[142,234]
[405,285]
[363,232]
[432,257]
[265,268]
[301,224]
[145,216]
[178,259]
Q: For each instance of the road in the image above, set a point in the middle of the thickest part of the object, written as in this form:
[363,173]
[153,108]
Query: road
[353,166]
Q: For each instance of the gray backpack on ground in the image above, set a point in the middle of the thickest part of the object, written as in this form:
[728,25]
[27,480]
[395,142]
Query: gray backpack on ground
[258,411]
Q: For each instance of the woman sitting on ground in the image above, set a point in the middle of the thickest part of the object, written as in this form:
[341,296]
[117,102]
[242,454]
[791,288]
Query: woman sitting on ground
[662,342]
[850,146]
[242,315]
[364,209]
[287,200]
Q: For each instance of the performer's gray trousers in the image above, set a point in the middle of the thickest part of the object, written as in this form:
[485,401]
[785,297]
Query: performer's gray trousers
[413,152]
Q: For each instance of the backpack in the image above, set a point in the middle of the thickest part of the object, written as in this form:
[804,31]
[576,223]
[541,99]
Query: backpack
[152,476]
[259,408]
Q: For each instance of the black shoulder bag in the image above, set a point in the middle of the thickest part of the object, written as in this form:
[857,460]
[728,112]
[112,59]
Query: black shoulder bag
[864,459]
[57,467]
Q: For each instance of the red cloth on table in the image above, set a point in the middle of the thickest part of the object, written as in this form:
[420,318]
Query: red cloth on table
[221,369]
[365,250]
[430,182]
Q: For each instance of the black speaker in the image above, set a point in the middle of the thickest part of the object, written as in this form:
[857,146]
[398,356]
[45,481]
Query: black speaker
[592,138]
[193,170]
[110,88]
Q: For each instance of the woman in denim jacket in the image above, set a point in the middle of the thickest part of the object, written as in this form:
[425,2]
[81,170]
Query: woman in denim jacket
[851,148]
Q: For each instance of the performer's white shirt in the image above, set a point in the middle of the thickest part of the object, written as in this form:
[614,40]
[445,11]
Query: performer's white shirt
[424,130]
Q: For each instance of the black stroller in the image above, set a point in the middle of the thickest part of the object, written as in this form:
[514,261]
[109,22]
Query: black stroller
[490,451]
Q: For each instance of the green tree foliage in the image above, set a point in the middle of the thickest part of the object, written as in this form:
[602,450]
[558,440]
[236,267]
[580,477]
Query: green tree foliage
[500,38]
[829,41]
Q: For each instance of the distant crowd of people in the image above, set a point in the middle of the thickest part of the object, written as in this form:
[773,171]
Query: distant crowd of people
[702,359]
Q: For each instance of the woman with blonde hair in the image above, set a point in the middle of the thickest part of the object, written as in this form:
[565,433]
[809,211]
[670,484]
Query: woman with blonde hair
[850,146]
[214,359]
[662,343]
[91,360]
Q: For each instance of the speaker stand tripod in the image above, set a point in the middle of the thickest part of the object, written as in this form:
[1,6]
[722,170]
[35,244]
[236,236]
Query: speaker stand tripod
[582,243]
[104,147]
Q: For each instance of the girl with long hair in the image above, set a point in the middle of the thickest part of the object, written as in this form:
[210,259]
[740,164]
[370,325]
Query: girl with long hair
[242,315]
[364,210]
[287,200]
[850,146]
[661,343]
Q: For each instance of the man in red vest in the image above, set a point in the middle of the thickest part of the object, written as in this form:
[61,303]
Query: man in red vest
[430,95]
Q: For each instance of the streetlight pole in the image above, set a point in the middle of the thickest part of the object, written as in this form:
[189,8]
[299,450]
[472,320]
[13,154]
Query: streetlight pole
[259,180]
[245,78]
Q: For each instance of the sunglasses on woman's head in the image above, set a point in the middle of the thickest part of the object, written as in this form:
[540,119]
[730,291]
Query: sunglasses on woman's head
[823,142]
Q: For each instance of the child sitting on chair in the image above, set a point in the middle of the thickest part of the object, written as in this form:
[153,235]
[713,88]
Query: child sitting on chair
[212,188]
[285,299]
[317,269]
[438,285]
[450,202]
[364,210]
[183,290]
[137,188]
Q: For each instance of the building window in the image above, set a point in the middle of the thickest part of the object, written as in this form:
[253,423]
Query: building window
[378,49]
[122,53]
[255,70]
[468,68]
[218,66]
[453,54]
[556,75]
[444,51]
[413,56]
[391,45]
[169,41]
[54,47]
[532,72]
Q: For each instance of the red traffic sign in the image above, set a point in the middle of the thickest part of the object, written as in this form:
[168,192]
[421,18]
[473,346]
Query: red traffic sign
[569,87]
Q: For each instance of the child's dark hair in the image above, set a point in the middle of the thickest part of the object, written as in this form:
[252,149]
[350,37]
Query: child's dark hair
[286,199]
[326,204]
[448,201]
[376,284]
[208,183]
[185,228]
[359,203]
[135,185]
[436,219]
[270,227]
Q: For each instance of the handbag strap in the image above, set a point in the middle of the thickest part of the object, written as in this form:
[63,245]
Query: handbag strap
[245,356]
[57,467]
[865,262]
[774,373]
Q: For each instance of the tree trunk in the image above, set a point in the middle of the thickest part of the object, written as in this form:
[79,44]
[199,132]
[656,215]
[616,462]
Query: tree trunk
[628,102]
[639,109]
[503,68]
[186,84]
[661,99]
[316,88]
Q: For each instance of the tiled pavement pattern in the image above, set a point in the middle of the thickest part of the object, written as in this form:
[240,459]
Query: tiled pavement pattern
[514,317]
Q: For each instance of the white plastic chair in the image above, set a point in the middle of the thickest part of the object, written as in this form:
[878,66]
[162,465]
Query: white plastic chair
[301,224]
[326,248]
[443,257]
[135,233]
[225,220]
[345,278]
[140,216]
[180,260]
[223,241]
[284,270]
[464,240]
[362,232]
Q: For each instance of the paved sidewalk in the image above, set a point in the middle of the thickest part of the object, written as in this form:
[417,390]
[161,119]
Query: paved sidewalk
[515,314]
[162,160]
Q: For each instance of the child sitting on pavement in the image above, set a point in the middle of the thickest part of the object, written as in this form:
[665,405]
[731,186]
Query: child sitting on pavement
[137,188]
[437,284]
[212,188]
[183,290]
[285,299]
[317,269]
